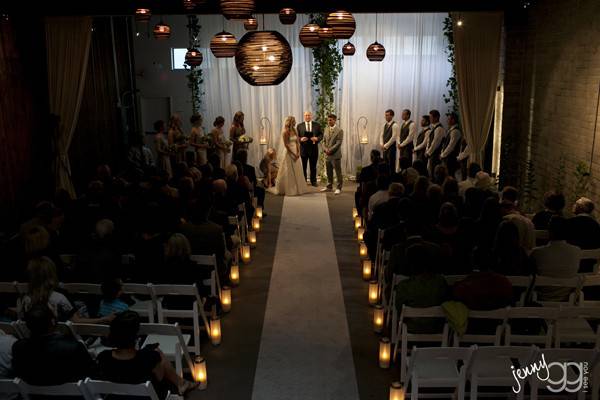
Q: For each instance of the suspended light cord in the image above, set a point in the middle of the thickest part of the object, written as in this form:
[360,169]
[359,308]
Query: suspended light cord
[375,26]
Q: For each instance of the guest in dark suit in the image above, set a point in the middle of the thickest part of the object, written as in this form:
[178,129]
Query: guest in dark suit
[583,230]
[366,178]
[310,134]
[554,203]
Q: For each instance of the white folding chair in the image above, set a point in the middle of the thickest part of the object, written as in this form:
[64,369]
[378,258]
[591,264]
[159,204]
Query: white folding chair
[572,326]
[142,294]
[9,288]
[491,366]
[72,389]
[9,389]
[520,286]
[22,288]
[195,311]
[10,328]
[437,367]
[100,389]
[96,332]
[379,252]
[591,254]
[243,223]
[557,374]
[545,283]
[589,281]
[490,337]
[82,288]
[403,337]
[209,261]
[391,305]
[170,341]
[542,338]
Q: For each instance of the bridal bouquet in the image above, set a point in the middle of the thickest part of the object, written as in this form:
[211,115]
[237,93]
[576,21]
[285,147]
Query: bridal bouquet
[205,139]
[245,139]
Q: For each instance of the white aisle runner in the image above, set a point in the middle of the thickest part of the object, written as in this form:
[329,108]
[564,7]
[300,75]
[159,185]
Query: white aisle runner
[305,350]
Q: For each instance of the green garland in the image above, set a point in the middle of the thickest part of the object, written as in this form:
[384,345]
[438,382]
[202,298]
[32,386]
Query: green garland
[451,84]
[195,75]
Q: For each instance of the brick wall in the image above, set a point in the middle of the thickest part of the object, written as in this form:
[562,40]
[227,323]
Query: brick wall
[552,75]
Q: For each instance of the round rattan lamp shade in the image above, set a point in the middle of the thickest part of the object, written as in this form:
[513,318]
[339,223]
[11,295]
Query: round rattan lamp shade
[143,14]
[223,44]
[376,52]
[193,57]
[348,49]
[309,35]
[343,24]
[192,4]
[251,24]
[162,31]
[325,33]
[263,58]
[237,9]
[287,16]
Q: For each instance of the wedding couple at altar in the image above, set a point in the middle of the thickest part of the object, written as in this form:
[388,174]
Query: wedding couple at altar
[301,150]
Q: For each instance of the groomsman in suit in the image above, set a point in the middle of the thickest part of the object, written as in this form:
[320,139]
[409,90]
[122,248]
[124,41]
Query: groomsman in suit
[332,147]
[451,145]
[436,137]
[388,140]
[310,135]
[407,136]
[421,140]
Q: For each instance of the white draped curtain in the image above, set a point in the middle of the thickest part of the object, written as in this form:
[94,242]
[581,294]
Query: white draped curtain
[413,75]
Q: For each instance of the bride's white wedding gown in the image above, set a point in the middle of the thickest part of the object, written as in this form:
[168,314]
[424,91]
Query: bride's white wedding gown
[290,177]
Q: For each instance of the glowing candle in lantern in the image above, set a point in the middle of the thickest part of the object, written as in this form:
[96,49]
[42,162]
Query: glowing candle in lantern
[354,212]
[234,274]
[385,348]
[357,223]
[246,254]
[256,224]
[252,238]
[363,249]
[200,372]
[366,269]
[378,316]
[360,234]
[259,212]
[215,331]
[226,298]
[396,391]
[373,292]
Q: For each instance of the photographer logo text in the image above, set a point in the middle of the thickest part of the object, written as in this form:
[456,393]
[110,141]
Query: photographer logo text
[556,375]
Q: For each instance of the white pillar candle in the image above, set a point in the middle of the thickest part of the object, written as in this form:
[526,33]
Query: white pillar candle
[226,298]
[378,318]
[385,348]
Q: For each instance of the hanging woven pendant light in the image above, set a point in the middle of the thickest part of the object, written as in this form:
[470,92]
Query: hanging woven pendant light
[343,24]
[309,35]
[193,57]
[376,52]
[325,33]
[143,14]
[263,58]
[348,49]
[189,4]
[251,24]
[162,31]
[237,9]
[287,16]
[223,44]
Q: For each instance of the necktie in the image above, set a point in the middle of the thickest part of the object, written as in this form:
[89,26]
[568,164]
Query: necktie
[309,127]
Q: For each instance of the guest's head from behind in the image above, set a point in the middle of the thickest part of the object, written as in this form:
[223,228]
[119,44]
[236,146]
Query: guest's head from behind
[199,212]
[290,123]
[507,238]
[196,120]
[103,173]
[239,167]
[405,163]
[389,115]
[483,181]
[307,116]
[238,119]
[554,201]
[490,210]
[435,116]
[124,330]
[420,260]
[375,156]
[473,169]
[42,279]
[159,126]
[396,190]
[214,160]
[51,217]
[557,229]
[383,182]
[35,239]
[440,173]
[448,217]
[421,167]
[450,187]
[219,122]
[435,194]
[583,206]
[510,197]
[220,186]
[421,187]
[242,156]
[425,121]
[104,228]
[452,118]
[178,246]
[231,171]
[331,119]
[40,320]
[112,289]
[406,114]
[411,177]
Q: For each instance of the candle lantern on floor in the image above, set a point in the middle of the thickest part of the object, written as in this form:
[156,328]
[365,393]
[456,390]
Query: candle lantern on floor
[385,348]
[360,235]
[357,223]
[362,249]
[215,331]
[234,274]
[378,316]
[259,211]
[354,212]
[256,224]
[200,372]
[246,254]
[226,298]
[252,238]
[373,292]
[366,269]
[396,391]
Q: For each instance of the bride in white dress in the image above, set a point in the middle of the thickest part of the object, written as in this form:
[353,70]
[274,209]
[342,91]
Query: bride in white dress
[290,178]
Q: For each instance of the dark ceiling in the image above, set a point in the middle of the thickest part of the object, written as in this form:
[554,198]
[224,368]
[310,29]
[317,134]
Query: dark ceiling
[125,7]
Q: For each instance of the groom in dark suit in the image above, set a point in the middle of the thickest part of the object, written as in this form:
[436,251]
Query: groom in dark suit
[310,134]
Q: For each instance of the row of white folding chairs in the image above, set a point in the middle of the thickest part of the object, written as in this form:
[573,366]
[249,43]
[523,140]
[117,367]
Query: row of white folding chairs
[493,366]
[87,389]
[562,325]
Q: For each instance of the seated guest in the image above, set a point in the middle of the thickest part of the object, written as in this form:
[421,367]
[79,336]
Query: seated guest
[365,177]
[554,203]
[100,258]
[447,235]
[583,230]
[380,196]
[148,247]
[473,203]
[111,303]
[508,257]
[483,291]
[126,364]
[472,171]
[509,207]
[250,173]
[485,229]
[47,357]
[385,216]
[408,178]
[440,173]
[397,262]
[268,167]
[434,202]
[246,186]
[450,192]
[6,343]
[423,288]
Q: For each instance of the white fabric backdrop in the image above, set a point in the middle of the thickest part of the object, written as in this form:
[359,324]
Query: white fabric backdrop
[413,75]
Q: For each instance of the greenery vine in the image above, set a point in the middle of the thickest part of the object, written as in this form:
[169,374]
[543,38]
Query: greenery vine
[451,98]
[195,79]
[583,179]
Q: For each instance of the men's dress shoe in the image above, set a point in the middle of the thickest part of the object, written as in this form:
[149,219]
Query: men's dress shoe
[337,191]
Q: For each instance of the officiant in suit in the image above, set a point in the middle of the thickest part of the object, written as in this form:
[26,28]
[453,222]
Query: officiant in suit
[332,147]
[310,134]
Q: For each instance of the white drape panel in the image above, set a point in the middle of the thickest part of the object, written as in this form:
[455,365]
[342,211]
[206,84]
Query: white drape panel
[477,52]
[413,75]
